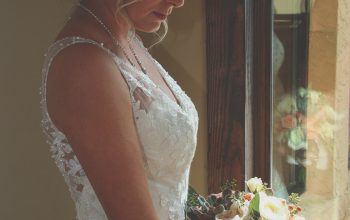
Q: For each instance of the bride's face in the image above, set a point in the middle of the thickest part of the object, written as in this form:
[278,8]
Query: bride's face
[147,15]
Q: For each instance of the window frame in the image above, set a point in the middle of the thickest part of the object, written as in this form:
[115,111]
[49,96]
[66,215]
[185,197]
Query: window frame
[238,45]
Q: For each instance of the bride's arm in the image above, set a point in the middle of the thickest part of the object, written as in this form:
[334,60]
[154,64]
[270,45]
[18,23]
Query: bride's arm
[89,102]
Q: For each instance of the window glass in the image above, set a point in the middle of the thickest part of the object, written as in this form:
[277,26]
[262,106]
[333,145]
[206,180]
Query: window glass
[310,110]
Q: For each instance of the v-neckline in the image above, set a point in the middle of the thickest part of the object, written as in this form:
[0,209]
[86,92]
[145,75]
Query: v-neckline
[177,100]
[162,74]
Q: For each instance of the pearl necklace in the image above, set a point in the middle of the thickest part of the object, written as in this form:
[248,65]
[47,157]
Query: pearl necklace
[115,41]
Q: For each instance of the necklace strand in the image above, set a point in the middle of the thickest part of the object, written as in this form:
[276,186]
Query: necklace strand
[115,41]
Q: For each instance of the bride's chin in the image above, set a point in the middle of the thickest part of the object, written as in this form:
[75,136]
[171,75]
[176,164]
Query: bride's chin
[149,28]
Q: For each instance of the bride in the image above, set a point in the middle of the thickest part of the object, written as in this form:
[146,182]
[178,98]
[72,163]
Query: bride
[120,129]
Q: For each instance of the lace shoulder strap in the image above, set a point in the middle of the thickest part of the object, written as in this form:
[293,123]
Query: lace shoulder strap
[58,46]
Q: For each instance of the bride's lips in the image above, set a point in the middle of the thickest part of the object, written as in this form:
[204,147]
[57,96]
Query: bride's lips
[160,15]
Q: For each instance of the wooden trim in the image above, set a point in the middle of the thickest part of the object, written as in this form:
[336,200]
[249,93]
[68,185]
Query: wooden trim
[292,30]
[262,40]
[226,92]
[239,42]
[249,63]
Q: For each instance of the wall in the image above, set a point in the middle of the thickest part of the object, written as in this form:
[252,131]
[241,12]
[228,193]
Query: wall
[329,72]
[288,6]
[342,104]
[31,187]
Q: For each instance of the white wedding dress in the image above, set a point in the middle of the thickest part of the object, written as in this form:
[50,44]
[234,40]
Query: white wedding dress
[167,131]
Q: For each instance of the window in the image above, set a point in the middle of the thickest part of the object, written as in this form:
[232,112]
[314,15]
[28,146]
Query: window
[278,102]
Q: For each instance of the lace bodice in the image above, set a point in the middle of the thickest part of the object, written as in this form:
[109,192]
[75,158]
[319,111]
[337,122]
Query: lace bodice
[167,131]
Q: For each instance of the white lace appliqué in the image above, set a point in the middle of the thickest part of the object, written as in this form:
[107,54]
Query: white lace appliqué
[167,131]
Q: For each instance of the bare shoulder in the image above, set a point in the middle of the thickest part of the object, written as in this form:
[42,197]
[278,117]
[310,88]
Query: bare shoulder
[89,101]
[79,76]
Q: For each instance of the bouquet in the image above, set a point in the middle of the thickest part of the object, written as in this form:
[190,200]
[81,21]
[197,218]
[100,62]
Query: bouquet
[292,113]
[257,204]
[302,118]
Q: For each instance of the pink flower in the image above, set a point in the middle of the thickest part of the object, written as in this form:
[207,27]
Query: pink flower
[300,117]
[248,196]
[291,207]
[289,121]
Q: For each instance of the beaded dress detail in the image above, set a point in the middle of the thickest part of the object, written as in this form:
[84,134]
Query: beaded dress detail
[167,131]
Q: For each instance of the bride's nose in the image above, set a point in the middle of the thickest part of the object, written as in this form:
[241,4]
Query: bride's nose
[176,3]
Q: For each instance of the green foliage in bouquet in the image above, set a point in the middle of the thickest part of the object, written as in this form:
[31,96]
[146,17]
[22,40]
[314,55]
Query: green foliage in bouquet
[254,207]
[256,204]
[201,208]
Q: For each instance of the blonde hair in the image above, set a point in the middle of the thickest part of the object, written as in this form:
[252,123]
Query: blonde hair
[122,4]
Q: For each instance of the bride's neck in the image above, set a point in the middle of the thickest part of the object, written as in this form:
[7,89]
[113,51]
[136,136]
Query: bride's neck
[106,11]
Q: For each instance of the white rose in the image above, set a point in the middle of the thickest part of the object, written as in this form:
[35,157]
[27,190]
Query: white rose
[243,211]
[272,208]
[288,104]
[247,217]
[298,217]
[227,215]
[237,218]
[255,184]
